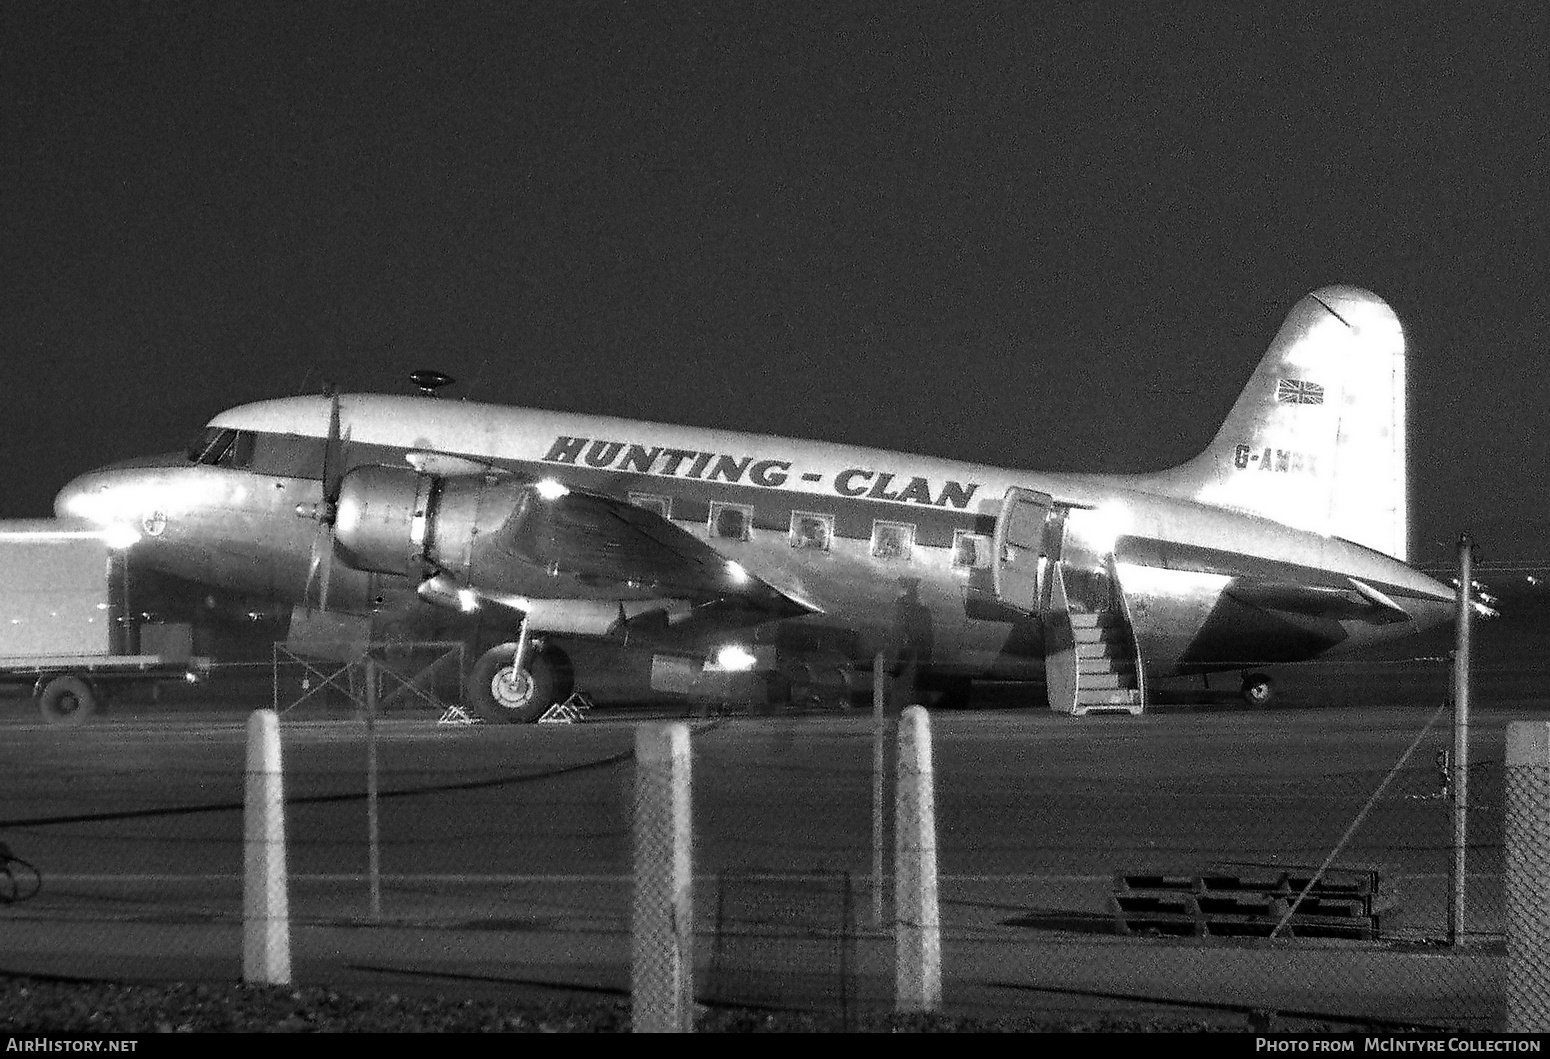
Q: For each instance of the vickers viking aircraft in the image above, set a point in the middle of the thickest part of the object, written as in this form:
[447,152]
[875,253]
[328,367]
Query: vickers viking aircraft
[521,530]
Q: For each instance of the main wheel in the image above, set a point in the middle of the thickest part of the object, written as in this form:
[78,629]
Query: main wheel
[67,700]
[1258,689]
[503,694]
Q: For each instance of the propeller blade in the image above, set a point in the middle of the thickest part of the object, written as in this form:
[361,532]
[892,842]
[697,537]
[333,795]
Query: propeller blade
[333,455]
[328,572]
[312,572]
[322,564]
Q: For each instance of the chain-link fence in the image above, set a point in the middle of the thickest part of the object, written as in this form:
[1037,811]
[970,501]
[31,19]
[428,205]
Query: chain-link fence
[1311,880]
[1129,865]
[501,857]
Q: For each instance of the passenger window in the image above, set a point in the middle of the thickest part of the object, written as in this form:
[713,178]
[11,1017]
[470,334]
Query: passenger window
[809,529]
[661,505]
[731,521]
[893,540]
[971,551]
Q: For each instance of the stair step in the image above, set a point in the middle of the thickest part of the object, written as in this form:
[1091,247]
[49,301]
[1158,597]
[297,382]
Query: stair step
[1106,649]
[1103,634]
[1106,682]
[1124,700]
[1104,619]
[1104,667]
[1096,696]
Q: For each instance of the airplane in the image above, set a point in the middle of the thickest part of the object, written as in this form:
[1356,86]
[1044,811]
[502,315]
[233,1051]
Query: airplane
[522,532]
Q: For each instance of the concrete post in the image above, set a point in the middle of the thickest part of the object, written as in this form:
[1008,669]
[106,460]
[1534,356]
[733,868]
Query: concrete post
[917,924]
[1526,876]
[662,935]
[266,924]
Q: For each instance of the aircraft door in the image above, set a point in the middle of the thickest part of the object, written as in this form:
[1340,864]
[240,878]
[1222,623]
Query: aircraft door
[1028,535]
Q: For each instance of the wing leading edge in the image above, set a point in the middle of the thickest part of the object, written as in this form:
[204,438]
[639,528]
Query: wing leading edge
[605,541]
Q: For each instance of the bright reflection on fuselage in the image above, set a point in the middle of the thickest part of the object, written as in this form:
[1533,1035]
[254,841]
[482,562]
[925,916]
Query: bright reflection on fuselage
[203,523]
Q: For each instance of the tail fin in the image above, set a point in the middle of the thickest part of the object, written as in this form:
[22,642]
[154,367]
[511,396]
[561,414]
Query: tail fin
[1317,439]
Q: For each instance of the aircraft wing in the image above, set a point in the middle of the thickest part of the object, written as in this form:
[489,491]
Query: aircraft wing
[1355,601]
[603,540]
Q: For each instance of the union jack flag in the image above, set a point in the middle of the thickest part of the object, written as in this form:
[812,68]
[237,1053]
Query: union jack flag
[1295,391]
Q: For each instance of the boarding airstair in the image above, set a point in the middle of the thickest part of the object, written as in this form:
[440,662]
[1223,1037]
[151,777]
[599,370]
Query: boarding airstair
[1092,658]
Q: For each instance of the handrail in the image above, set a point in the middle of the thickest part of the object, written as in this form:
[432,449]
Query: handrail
[1130,628]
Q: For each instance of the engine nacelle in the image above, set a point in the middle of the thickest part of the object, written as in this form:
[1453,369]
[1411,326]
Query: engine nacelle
[398,520]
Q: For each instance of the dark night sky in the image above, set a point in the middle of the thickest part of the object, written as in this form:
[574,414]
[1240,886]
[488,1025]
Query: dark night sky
[1039,235]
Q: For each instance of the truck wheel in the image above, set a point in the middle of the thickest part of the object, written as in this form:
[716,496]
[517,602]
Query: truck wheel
[503,694]
[67,700]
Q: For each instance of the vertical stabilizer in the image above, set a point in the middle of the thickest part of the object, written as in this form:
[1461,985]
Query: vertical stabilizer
[1317,438]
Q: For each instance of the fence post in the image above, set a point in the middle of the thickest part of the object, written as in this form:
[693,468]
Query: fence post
[1526,878]
[373,820]
[917,926]
[879,828]
[662,974]
[266,926]
[1457,928]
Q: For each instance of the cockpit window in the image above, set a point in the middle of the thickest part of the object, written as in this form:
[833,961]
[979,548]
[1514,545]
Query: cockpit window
[241,452]
[222,446]
[211,445]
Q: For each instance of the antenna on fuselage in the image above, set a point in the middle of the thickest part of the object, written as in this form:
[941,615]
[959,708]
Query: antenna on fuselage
[430,381]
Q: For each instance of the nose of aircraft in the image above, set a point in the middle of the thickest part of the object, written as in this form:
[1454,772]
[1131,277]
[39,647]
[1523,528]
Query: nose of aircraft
[74,500]
[117,496]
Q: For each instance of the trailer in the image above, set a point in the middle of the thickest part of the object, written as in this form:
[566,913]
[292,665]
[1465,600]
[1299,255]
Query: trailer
[66,627]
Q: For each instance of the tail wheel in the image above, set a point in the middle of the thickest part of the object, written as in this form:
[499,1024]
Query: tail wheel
[503,694]
[67,700]
[1258,689]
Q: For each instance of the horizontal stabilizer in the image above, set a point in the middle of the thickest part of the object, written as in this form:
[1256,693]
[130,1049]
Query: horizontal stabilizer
[1359,602]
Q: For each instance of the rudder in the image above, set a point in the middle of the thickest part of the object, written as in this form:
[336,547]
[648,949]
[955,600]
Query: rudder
[1317,438]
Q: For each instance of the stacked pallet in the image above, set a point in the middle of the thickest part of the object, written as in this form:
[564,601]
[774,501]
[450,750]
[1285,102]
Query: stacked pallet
[1247,900]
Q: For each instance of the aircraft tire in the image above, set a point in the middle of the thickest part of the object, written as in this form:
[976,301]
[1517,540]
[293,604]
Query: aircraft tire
[1258,690]
[67,701]
[502,697]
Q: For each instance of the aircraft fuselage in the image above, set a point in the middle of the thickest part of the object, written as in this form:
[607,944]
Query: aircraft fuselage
[866,539]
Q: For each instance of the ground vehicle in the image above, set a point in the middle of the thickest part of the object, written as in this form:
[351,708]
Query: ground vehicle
[65,627]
